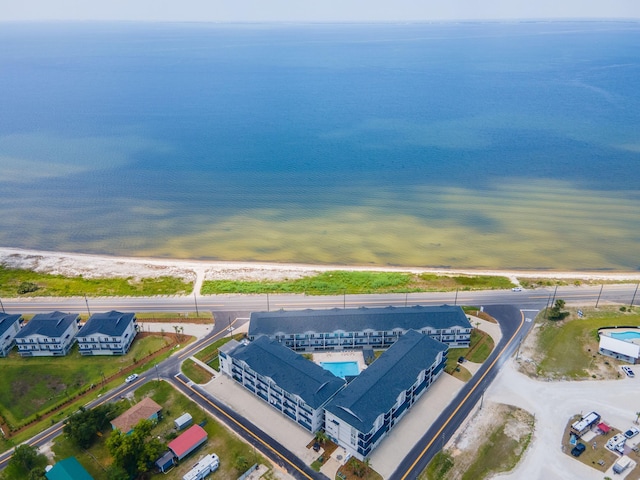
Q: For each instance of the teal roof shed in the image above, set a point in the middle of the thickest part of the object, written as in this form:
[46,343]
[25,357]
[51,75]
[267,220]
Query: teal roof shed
[68,469]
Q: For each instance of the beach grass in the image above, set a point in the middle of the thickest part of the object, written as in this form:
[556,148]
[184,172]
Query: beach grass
[339,282]
[35,284]
[569,348]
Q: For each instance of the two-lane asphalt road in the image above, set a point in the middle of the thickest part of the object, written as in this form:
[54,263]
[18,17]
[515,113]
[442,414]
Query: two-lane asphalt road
[573,295]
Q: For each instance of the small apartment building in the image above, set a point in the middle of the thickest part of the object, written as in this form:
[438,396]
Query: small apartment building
[360,415]
[48,334]
[293,385]
[108,333]
[9,328]
[345,329]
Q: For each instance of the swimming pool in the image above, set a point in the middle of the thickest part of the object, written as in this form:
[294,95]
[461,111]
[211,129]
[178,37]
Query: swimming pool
[625,335]
[342,369]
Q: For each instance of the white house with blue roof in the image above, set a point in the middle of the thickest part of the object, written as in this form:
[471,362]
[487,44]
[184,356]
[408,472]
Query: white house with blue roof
[344,329]
[109,333]
[288,382]
[9,328]
[360,415]
[48,334]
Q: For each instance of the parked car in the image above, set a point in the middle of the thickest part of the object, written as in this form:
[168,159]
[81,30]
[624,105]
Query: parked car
[632,432]
[578,449]
[131,378]
[628,371]
[516,289]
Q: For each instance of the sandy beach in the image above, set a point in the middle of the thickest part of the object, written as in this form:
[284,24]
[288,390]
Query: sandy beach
[94,266]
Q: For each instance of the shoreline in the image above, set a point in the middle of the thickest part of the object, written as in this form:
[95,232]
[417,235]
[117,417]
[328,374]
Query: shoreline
[96,265]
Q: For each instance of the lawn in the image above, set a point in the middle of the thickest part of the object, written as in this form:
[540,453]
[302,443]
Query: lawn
[210,352]
[341,282]
[46,285]
[25,395]
[479,350]
[569,348]
[195,372]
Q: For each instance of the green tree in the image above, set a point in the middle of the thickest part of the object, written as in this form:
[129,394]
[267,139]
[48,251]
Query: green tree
[241,464]
[26,463]
[321,437]
[136,451]
[82,427]
[556,312]
[114,472]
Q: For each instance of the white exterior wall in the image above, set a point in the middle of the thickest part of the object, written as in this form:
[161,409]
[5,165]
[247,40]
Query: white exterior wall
[41,346]
[100,344]
[345,434]
[628,349]
[6,342]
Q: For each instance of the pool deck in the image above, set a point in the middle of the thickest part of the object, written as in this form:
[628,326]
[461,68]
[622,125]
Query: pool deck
[343,356]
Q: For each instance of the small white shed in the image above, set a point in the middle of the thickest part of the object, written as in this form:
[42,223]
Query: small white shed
[183,421]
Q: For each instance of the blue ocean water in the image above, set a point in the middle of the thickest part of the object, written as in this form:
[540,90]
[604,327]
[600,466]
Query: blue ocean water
[502,145]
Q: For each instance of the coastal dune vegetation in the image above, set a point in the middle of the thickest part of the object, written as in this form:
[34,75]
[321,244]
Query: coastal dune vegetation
[340,282]
[22,282]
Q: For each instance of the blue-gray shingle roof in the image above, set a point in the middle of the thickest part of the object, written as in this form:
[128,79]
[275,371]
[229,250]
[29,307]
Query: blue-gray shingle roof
[7,320]
[50,325]
[111,324]
[356,320]
[376,389]
[290,371]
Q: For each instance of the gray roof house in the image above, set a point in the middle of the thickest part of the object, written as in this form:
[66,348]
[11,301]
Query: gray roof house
[109,333]
[9,327]
[48,334]
[360,415]
[287,381]
[336,329]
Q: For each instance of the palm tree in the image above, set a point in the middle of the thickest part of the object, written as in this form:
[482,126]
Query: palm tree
[637,416]
[321,437]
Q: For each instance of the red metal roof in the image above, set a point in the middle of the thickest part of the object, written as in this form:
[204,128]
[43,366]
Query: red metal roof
[186,441]
[604,428]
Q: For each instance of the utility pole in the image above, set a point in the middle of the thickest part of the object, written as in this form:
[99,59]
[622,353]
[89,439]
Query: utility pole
[195,300]
[455,302]
[344,299]
[634,295]
[1,305]
[157,374]
[406,298]
[87,302]
[601,287]
[267,302]
[554,296]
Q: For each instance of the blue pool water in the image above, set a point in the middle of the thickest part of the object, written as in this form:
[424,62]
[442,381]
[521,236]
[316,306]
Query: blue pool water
[626,335]
[341,369]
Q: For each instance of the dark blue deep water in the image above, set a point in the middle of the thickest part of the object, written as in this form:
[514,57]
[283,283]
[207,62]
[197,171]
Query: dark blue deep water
[512,145]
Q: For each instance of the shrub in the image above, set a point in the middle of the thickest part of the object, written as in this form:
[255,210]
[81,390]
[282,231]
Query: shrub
[27,287]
